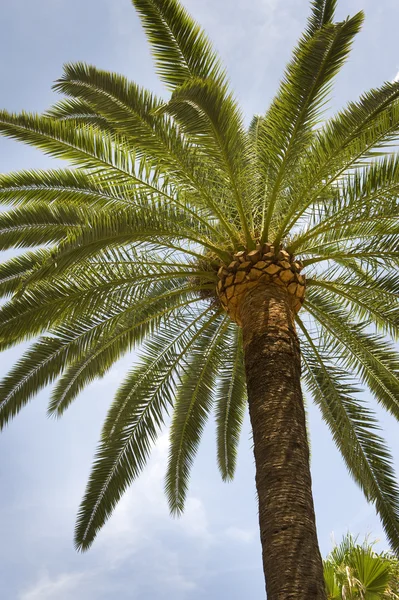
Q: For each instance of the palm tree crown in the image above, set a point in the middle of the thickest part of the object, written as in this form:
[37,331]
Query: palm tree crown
[174,211]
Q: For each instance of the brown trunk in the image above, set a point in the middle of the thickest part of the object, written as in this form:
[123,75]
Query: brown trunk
[291,557]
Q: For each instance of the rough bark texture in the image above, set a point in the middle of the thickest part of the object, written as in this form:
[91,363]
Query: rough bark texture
[291,557]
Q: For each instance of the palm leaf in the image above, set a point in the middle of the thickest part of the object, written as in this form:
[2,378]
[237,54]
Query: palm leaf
[322,13]
[73,341]
[134,422]
[287,128]
[374,359]
[353,427]
[230,404]
[193,403]
[180,47]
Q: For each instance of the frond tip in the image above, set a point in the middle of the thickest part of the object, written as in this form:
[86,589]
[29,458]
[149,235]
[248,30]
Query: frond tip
[180,47]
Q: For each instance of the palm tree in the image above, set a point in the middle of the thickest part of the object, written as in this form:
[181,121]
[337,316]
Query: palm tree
[355,571]
[186,235]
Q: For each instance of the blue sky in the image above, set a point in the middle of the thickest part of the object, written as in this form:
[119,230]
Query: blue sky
[213,550]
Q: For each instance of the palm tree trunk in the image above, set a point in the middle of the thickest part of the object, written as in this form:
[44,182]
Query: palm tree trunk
[291,557]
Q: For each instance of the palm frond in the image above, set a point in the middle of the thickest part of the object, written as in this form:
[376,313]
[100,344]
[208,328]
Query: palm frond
[153,224]
[323,12]
[359,570]
[180,47]
[287,129]
[72,341]
[195,395]
[370,356]
[86,292]
[353,427]
[230,403]
[354,136]
[40,365]
[74,109]
[15,269]
[366,194]
[134,422]
[27,227]
[100,358]
[371,304]
[87,147]
[62,187]
[214,121]
[132,111]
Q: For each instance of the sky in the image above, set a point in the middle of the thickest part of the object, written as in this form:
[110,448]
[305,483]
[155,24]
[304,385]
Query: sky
[213,551]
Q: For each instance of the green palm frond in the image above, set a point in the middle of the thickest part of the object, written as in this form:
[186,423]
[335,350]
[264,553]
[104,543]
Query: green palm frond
[134,421]
[194,399]
[323,12]
[356,135]
[39,366]
[372,357]
[287,130]
[62,188]
[364,196]
[27,227]
[357,569]
[13,270]
[131,111]
[86,147]
[213,120]
[74,109]
[102,355]
[370,304]
[120,327]
[180,47]
[353,427]
[230,404]
[92,293]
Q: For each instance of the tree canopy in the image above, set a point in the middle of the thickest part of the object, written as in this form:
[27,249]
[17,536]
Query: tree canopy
[121,251]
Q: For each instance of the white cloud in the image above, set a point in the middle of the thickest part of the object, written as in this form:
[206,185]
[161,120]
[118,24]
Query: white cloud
[138,525]
[141,520]
[194,521]
[145,501]
[47,588]
[179,582]
[241,535]
[396,77]
[169,573]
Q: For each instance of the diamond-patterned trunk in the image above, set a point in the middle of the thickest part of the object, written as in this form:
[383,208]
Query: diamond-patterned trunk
[263,266]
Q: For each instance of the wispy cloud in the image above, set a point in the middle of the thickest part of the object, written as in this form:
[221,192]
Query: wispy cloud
[144,504]
[140,526]
[47,588]
[241,535]
[396,78]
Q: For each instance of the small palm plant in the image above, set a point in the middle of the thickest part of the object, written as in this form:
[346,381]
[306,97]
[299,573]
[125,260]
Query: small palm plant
[187,235]
[355,571]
